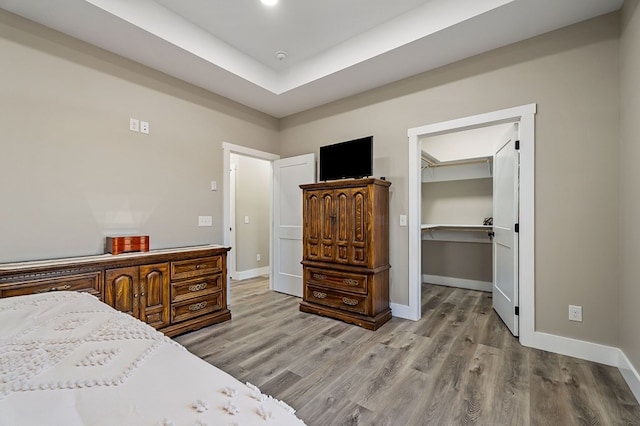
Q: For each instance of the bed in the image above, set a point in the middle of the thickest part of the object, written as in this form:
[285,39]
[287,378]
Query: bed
[68,359]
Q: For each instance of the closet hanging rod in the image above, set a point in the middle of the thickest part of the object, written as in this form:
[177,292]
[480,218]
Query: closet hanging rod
[458,163]
[461,228]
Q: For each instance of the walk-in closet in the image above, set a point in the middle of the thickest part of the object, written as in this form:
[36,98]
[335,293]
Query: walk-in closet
[457,207]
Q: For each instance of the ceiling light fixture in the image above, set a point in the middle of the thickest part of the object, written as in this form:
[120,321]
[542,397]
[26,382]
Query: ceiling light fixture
[281,55]
[269,2]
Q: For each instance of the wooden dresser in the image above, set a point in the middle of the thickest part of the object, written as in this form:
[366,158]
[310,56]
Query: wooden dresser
[173,290]
[346,251]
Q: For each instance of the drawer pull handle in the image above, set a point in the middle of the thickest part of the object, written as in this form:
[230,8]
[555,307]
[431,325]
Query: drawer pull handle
[319,295]
[319,276]
[197,306]
[62,287]
[350,302]
[197,287]
[197,266]
[349,281]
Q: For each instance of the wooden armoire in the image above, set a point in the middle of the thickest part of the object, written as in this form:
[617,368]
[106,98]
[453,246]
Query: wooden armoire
[346,250]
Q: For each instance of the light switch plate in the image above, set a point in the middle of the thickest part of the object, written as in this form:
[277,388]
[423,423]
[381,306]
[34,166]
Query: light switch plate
[134,125]
[403,220]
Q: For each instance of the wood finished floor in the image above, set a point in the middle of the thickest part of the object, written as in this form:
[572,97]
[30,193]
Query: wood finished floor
[458,365]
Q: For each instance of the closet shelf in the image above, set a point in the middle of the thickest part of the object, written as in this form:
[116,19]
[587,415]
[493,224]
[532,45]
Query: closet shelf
[459,233]
[472,228]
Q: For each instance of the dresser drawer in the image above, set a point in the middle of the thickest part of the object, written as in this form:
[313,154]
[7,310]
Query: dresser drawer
[185,290]
[356,283]
[192,308]
[337,299]
[191,268]
[90,282]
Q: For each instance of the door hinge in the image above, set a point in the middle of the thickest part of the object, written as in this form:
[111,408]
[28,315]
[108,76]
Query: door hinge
[517,227]
[517,310]
[517,144]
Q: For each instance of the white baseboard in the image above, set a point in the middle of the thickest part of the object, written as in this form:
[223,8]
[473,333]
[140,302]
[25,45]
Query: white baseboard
[630,374]
[401,311]
[458,282]
[589,351]
[572,347]
[251,273]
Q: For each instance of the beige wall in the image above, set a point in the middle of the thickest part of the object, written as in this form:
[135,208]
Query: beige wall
[469,261]
[572,75]
[458,202]
[253,191]
[629,179]
[72,172]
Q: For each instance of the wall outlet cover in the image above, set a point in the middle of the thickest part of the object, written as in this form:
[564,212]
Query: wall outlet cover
[575,313]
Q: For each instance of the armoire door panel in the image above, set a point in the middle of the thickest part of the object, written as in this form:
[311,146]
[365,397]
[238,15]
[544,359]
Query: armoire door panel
[313,205]
[327,221]
[342,227]
[359,212]
[358,221]
[311,234]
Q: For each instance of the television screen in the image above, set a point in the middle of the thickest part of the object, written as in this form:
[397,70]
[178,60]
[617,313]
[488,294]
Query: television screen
[350,159]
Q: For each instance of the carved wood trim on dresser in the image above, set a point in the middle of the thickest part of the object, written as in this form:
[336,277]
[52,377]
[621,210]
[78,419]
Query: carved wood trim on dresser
[173,290]
[346,251]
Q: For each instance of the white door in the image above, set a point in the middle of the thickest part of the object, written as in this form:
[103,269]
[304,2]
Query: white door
[288,174]
[505,241]
[231,257]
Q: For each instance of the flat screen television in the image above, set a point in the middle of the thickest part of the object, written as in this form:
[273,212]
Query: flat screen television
[350,159]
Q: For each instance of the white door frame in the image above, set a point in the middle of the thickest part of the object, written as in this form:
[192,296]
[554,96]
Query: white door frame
[525,115]
[227,149]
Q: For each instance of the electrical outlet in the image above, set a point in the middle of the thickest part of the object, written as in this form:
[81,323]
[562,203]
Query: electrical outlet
[144,127]
[575,313]
[258,257]
[205,221]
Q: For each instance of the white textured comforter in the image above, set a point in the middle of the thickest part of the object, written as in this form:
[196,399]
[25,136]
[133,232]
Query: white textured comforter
[68,359]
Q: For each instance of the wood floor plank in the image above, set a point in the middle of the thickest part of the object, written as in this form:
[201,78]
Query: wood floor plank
[458,365]
[549,403]
[511,398]
[477,395]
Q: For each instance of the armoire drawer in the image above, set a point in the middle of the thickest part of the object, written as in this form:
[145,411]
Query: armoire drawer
[191,268]
[337,299]
[338,280]
[196,307]
[189,289]
[90,282]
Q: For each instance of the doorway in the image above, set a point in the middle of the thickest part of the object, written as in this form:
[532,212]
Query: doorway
[227,177]
[250,186]
[524,116]
[284,224]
